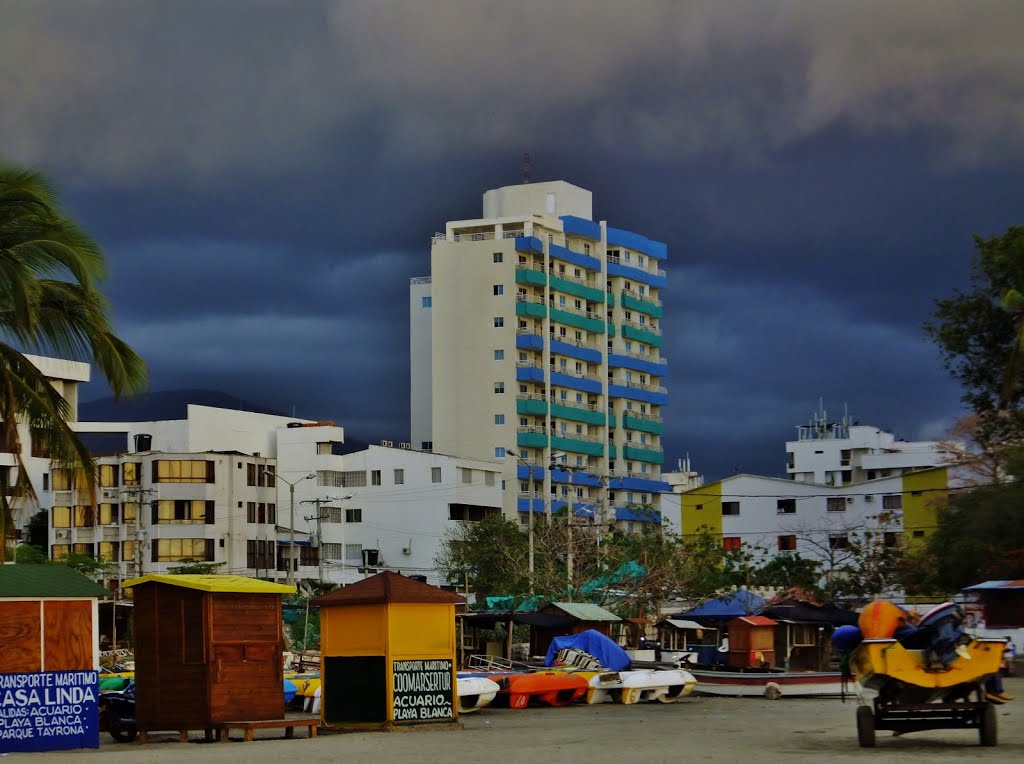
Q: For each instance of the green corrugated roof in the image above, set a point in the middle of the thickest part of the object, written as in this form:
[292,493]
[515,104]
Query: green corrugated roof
[46,581]
[586,611]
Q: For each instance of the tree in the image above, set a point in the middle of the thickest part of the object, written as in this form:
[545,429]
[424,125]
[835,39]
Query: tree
[980,333]
[193,567]
[50,304]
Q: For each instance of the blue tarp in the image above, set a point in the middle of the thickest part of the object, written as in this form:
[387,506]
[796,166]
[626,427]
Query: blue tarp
[740,603]
[594,643]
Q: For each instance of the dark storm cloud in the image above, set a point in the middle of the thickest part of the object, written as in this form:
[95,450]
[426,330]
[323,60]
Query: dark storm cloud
[265,177]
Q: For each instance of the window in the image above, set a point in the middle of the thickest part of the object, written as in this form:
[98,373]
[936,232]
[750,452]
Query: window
[892,501]
[109,551]
[499,388]
[108,475]
[489,476]
[353,515]
[838,541]
[131,512]
[256,474]
[375,477]
[182,511]
[108,514]
[83,516]
[787,543]
[128,551]
[59,551]
[498,322]
[131,473]
[399,477]
[499,453]
[836,503]
[497,256]
[341,479]
[435,474]
[260,513]
[61,480]
[467,475]
[499,419]
[427,445]
[60,517]
[730,508]
[175,550]
[918,534]
[183,471]
[891,539]
[309,556]
[731,543]
[426,302]
[260,555]
[786,506]
[499,289]
[499,355]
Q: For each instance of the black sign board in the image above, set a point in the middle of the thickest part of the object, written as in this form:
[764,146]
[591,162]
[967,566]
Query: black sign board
[423,690]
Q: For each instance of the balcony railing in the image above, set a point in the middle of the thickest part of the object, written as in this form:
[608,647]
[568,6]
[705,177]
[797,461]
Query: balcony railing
[649,357]
[656,418]
[577,374]
[527,298]
[642,297]
[637,386]
[636,475]
[642,327]
[578,436]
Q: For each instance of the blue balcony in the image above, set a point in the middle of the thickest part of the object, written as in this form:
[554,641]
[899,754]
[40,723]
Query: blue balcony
[529,374]
[658,368]
[574,351]
[523,505]
[575,226]
[529,244]
[637,243]
[575,383]
[576,258]
[639,484]
[631,514]
[637,394]
[585,478]
[637,274]
[529,342]
[523,473]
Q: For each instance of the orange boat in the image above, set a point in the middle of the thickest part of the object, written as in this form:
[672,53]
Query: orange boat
[555,688]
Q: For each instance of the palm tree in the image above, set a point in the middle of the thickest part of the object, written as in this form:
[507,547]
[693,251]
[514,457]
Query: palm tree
[49,304]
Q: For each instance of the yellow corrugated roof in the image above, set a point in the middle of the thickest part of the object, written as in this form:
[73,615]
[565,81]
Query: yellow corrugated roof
[215,583]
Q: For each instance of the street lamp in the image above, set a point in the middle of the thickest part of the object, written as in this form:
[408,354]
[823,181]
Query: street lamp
[291,491]
[529,467]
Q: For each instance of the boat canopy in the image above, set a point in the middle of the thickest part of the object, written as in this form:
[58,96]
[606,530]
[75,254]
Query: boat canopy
[611,656]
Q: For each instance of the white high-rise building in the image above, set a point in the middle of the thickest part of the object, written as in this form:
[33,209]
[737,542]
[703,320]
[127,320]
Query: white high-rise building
[537,339]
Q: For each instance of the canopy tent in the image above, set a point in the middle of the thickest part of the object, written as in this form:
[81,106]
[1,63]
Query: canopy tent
[740,603]
[594,643]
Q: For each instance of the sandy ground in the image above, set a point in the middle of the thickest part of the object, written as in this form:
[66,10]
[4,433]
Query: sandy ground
[694,729]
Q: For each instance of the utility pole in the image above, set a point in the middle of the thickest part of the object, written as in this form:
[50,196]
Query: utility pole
[319,517]
[529,523]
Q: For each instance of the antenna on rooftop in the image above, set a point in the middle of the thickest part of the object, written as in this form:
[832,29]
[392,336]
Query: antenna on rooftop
[527,167]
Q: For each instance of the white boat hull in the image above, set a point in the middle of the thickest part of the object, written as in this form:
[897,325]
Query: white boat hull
[630,687]
[475,692]
[768,684]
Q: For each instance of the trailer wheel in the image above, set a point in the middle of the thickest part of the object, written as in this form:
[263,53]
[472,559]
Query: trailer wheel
[987,726]
[865,727]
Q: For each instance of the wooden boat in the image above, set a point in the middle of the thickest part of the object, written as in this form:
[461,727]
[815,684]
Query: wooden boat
[767,684]
[474,691]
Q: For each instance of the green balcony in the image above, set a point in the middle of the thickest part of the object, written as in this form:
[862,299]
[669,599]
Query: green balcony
[568,443]
[654,456]
[632,333]
[595,325]
[613,452]
[641,306]
[531,406]
[610,299]
[536,309]
[644,425]
[531,277]
[531,439]
[579,290]
[611,329]
[578,414]
[611,420]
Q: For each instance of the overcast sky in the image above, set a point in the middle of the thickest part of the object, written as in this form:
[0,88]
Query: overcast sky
[265,178]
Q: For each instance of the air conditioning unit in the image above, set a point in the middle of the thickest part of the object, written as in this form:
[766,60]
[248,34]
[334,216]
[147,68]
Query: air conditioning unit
[869,497]
[406,446]
[110,494]
[62,534]
[387,443]
[849,500]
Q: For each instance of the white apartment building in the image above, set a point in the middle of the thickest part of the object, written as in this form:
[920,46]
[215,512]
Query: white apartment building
[840,453]
[65,376]
[537,339]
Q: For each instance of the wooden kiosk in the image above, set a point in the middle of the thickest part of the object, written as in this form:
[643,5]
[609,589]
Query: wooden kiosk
[49,659]
[388,654]
[208,654]
[751,641]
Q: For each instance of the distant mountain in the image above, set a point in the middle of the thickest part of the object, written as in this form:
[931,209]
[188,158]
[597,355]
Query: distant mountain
[165,404]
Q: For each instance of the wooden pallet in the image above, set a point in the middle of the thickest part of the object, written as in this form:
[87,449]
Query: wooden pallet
[249,727]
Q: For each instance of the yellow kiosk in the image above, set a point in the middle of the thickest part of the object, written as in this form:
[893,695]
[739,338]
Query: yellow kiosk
[388,654]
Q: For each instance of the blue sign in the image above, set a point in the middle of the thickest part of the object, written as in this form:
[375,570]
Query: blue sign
[49,711]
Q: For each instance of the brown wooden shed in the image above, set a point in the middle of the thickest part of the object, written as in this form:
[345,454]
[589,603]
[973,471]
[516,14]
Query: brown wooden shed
[208,650]
[751,641]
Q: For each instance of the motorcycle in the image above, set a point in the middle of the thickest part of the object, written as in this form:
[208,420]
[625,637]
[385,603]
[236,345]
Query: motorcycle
[117,713]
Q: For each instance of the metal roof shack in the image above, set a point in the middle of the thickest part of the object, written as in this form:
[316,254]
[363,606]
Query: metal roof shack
[1001,601]
[579,616]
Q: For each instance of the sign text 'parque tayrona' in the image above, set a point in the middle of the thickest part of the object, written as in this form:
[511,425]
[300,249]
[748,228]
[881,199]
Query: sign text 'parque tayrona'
[422,690]
[49,711]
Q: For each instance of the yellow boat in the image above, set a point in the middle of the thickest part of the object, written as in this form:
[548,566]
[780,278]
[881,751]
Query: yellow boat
[877,662]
